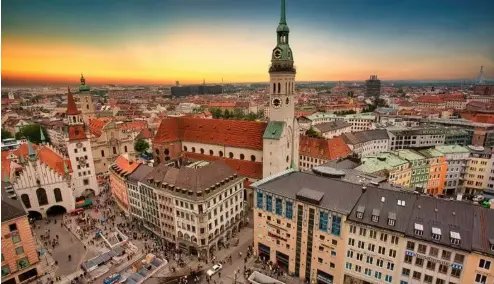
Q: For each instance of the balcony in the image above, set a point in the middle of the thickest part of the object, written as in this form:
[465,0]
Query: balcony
[283,67]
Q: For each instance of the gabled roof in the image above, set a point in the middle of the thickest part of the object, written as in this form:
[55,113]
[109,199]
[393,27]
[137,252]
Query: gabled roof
[124,165]
[146,133]
[327,149]
[134,125]
[54,160]
[234,133]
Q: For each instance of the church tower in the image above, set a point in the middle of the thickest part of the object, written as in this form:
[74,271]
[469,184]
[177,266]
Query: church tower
[80,154]
[86,101]
[281,138]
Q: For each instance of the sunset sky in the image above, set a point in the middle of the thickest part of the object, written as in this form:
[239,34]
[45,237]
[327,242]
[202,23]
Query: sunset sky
[161,41]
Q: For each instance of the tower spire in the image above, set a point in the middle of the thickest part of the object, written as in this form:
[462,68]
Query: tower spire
[42,135]
[71,106]
[283,14]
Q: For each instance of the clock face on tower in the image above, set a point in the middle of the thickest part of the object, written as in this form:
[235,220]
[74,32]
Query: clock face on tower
[276,103]
[277,54]
[79,145]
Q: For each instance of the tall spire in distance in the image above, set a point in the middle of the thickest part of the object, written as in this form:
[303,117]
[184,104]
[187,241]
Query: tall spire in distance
[71,106]
[42,135]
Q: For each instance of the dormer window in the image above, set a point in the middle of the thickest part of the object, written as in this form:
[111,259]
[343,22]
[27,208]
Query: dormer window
[391,218]
[419,229]
[360,212]
[491,242]
[436,234]
[375,215]
[455,238]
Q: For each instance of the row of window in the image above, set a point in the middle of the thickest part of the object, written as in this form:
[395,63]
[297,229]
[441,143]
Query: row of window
[430,265]
[220,153]
[369,272]
[42,197]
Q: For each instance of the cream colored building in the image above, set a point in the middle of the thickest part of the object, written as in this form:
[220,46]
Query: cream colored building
[477,170]
[108,141]
[300,225]
[197,206]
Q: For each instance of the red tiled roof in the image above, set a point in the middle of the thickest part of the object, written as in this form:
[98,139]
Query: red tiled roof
[76,132]
[126,166]
[53,160]
[429,99]
[95,125]
[134,125]
[146,133]
[221,104]
[321,148]
[234,133]
[479,117]
[71,106]
[242,167]
[23,150]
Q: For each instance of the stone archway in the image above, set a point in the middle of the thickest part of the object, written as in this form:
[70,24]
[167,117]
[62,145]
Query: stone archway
[35,215]
[56,210]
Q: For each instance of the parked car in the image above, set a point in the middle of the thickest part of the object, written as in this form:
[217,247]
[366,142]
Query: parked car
[213,270]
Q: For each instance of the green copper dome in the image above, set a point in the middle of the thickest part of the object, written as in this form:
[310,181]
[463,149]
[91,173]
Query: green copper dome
[282,56]
[83,87]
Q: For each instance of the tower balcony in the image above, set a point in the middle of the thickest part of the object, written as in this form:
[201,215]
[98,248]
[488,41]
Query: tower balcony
[282,67]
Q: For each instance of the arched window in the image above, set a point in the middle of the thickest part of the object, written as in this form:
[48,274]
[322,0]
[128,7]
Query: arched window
[287,101]
[221,153]
[103,152]
[158,160]
[167,158]
[252,158]
[287,159]
[26,201]
[157,151]
[274,88]
[202,151]
[211,152]
[230,155]
[185,148]
[286,87]
[41,195]
[167,152]
[114,150]
[125,148]
[58,195]
[279,88]
[242,156]
[193,149]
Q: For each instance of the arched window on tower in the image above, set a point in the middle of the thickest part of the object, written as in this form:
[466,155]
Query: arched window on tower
[274,88]
[41,195]
[279,87]
[26,201]
[58,195]
[286,87]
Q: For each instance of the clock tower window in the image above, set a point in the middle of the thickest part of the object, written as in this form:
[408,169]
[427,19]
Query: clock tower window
[274,88]
[279,88]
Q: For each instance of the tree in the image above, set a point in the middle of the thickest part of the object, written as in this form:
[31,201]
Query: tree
[227,114]
[32,133]
[312,132]
[141,146]
[6,134]
[216,113]
[238,114]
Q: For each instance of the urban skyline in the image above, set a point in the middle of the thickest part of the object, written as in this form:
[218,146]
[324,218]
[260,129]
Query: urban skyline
[160,42]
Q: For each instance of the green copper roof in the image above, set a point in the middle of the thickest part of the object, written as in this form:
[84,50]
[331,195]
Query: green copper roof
[283,14]
[409,155]
[452,149]
[382,161]
[273,130]
[431,153]
[41,134]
